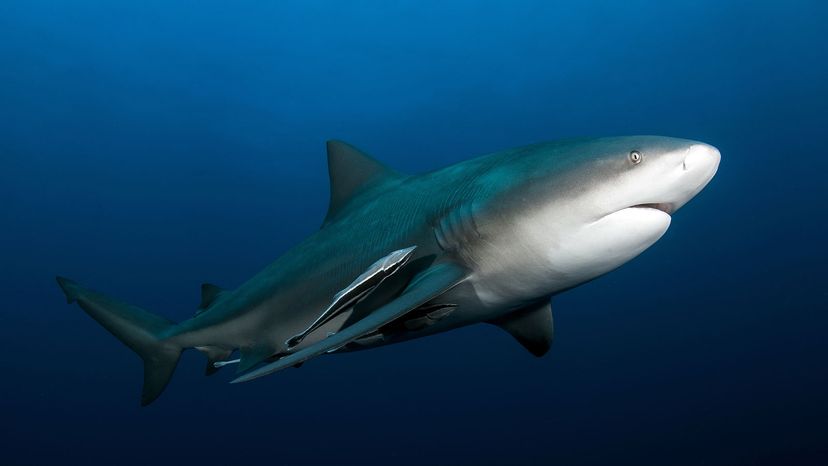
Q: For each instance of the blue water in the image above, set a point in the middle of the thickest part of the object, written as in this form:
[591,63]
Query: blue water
[147,147]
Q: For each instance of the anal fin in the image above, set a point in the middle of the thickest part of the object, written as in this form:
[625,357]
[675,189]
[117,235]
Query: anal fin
[214,354]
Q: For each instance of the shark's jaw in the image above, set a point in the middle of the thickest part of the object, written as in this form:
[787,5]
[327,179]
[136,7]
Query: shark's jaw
[610,241]
[665,207]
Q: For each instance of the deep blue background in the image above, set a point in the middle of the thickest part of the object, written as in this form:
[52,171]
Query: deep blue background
[148,147]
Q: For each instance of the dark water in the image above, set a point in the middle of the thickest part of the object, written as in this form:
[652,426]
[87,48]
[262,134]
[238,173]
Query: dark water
[148,148]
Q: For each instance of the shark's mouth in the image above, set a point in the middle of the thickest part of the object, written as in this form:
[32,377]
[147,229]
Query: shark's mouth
[665,207]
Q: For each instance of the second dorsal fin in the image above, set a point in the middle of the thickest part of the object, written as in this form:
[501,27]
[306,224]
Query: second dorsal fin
[350,170]
[209,294]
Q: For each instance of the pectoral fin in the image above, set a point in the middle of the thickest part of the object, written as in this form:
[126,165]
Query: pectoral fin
[423,288]
[531,326]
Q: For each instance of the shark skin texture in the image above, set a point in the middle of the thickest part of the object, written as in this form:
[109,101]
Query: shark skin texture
[489,240]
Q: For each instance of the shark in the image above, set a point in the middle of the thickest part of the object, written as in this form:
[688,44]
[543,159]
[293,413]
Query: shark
[488,240]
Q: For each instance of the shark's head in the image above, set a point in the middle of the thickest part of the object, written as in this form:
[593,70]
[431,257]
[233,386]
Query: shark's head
[586,207]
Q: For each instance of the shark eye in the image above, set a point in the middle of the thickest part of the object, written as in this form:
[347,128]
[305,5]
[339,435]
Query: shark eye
[635,157]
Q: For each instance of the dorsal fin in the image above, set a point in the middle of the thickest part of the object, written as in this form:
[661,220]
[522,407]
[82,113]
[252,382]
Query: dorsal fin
[209,293]
[350,170]
[531,326]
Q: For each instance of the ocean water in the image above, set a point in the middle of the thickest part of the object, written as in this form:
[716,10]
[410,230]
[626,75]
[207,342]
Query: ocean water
[147,147]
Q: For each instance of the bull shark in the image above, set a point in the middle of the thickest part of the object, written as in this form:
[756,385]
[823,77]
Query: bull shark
[488,240]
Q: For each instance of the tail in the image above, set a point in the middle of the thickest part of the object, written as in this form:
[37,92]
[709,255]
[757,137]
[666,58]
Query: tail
[136,328]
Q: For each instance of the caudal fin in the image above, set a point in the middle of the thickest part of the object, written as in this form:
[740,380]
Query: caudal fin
[138,329]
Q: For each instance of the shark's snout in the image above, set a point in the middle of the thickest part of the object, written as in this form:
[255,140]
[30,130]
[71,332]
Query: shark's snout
[702,157]
[698,166]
